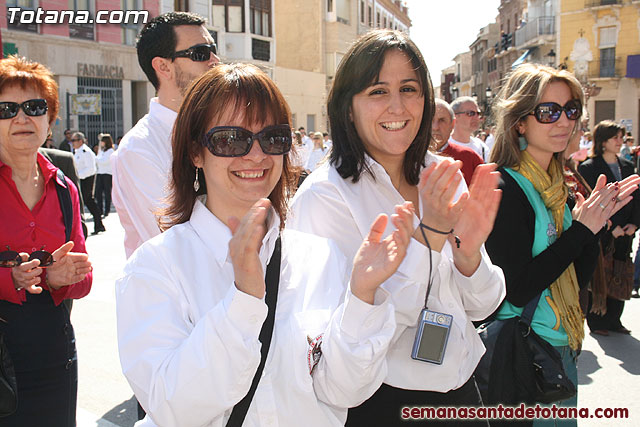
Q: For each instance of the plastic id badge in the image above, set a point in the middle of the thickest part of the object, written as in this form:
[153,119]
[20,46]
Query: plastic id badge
[432,336]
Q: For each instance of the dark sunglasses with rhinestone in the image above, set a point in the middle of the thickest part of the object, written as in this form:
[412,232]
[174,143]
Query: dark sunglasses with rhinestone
[234,141]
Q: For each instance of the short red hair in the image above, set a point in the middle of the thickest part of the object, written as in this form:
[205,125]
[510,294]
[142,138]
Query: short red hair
[19,71]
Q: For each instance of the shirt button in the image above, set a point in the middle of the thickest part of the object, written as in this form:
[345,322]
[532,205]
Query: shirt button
[253,319]
[32,224]
[368,324]
[450,305]
[33,249]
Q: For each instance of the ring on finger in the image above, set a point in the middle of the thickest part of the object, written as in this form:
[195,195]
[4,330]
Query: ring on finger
[602,206]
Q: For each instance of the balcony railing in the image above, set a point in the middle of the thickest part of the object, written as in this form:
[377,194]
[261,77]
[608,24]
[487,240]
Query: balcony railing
[542,26]
[604,68]
[596,3]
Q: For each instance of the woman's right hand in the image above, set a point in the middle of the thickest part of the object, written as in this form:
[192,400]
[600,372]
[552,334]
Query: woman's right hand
[244,248]
[438,185]
[377,259]
[604,201]
[27,275]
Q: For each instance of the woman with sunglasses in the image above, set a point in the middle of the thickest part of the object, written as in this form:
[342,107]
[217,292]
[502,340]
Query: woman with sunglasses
[606,160]
[545,249]
[190,305]
[381,108]
[38,268]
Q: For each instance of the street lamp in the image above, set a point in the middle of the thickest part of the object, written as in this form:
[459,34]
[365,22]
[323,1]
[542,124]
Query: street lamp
[488,93]
[551,58]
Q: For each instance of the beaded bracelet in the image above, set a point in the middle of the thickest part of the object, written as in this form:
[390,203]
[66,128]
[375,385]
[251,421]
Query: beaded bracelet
[456,238]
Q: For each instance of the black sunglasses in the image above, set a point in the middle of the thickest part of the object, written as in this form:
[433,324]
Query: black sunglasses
[470,113]
[550,112]
[233,141]
[10,259]
[32,107]
[198,53]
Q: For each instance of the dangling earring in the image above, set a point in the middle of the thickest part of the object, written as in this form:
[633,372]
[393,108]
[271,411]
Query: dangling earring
[523,142]
[196,183]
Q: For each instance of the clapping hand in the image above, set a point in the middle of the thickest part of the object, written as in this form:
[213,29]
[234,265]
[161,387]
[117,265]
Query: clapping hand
[244,248]
[604,202]
[438,185]
[377,259]
[68,267]
[476,219]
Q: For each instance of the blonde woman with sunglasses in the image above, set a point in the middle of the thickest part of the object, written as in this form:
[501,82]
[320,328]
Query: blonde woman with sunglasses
[545,248]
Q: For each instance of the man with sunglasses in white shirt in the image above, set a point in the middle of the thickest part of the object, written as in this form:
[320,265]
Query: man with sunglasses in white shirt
[173,49]
[468,119]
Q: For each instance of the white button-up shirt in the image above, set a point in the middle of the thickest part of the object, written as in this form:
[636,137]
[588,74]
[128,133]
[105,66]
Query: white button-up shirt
[188,338]
[141,169]
[85,161]
[329,206]
[103,161]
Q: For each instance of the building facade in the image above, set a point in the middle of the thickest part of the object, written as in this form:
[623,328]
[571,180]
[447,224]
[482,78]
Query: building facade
[102,59]
[599,41]
[312,37]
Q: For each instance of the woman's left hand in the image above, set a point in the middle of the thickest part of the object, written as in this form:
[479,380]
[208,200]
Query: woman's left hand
[629,229]
[378,259]
[68,267]
[477,218]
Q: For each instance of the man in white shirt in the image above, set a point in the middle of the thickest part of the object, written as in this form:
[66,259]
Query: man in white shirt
[173,49]
[468,118]
[86,165]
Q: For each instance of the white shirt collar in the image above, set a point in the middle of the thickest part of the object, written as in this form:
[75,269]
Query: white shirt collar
[216,235]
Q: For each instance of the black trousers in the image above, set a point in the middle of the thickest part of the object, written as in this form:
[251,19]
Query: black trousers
[86,186]
[41,343]
[384,408]
[103,192]
[611,319]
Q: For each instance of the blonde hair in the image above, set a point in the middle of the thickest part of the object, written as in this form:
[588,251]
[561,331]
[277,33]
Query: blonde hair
[517,98]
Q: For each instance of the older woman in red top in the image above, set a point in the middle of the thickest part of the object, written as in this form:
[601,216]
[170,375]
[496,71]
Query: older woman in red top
[39,269]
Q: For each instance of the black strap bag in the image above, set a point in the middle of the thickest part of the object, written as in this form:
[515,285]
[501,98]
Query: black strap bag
[519,366]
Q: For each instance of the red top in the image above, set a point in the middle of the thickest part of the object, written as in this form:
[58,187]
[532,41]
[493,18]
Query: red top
[25,230]
[469,158]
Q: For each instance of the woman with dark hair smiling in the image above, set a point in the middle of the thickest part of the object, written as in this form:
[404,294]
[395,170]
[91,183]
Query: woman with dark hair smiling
[606,310]
[192,333]
[380,110]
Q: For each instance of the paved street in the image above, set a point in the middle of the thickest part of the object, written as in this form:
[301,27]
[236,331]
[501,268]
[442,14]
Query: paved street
[609,367]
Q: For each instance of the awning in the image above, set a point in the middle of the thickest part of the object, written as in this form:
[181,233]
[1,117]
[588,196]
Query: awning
[520,60]
[633,66]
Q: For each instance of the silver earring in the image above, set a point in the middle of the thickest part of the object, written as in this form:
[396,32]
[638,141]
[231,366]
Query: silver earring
[196,183]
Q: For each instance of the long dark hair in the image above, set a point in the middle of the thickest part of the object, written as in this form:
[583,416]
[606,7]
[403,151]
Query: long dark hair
[243,88]
[358,70]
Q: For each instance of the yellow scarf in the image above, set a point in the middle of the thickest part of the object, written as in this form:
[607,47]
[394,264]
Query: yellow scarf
[564,291]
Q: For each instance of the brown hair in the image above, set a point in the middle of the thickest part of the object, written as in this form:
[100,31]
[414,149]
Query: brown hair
[108,141]
[518,97]
[19,71]
[603,131]
[359,69]
[248,91]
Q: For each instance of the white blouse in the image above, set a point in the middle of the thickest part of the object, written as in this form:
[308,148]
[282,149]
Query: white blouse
[103,161]
[188,339]
[329,206]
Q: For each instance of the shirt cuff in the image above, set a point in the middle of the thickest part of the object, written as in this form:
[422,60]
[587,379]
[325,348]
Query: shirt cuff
[361,320]
[246,312]
[416,261]
[479,279]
